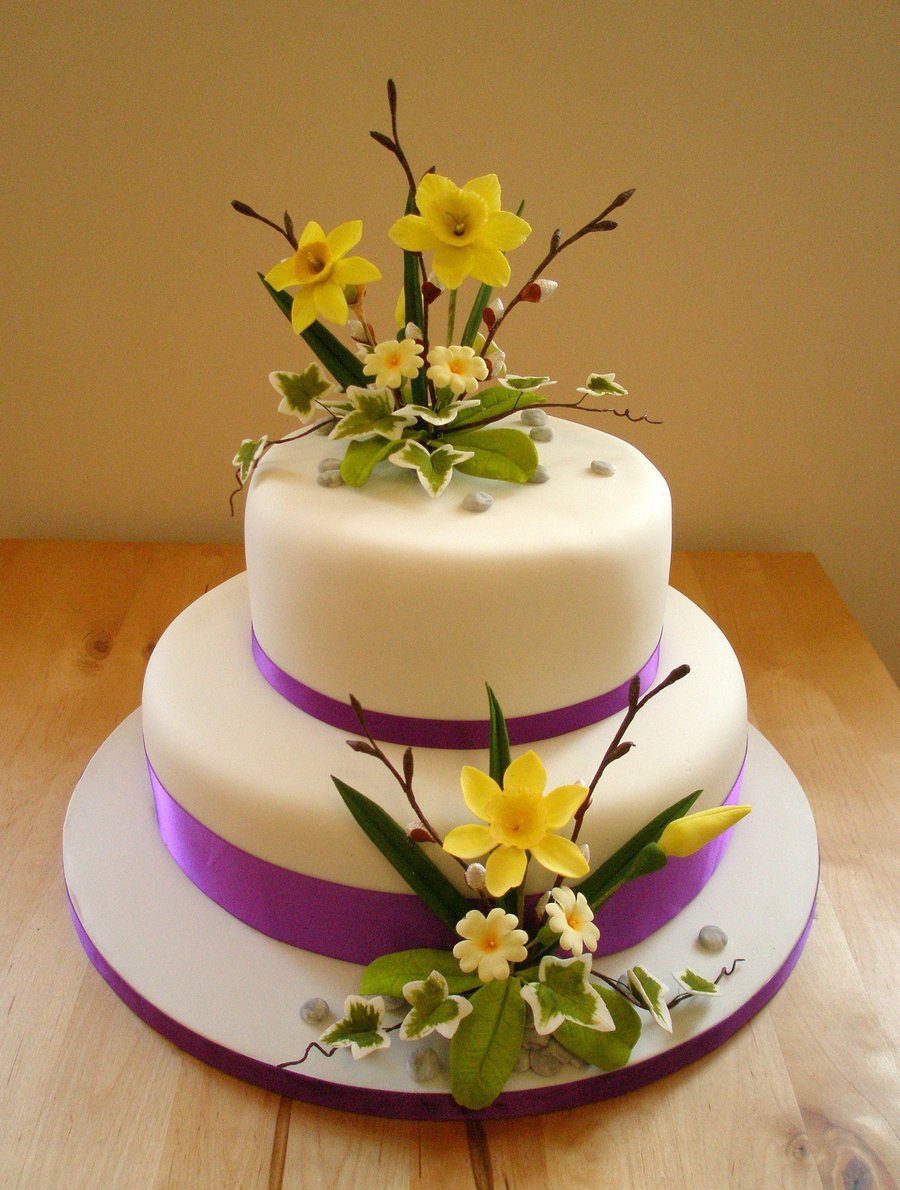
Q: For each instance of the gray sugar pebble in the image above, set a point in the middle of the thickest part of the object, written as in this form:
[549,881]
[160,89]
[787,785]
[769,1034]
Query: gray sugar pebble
[541,474]
[477,502]
[330,464]
[315,1011]
[330,479]
[542,434]
[713,938]
[602,467]
[566,1056]
[423,1065]
[522,1062]
[534,1040]
[544,1063]
[534,417]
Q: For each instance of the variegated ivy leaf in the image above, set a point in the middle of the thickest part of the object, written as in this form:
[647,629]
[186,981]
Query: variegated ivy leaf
[692,982]
[443,413]
[372,414]
[433,1008]
[563,993]
[525,383]
[301,391]
[359,1028]
[434,468]
[248,455]
[652,993]
[601,384]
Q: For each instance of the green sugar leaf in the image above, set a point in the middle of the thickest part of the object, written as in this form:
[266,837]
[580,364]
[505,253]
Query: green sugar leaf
[607,1051]
[696,984]
[426,880]
[300,390]
[329,350]
[564,993]
[248,455]
[653,994]
[361,457]
[389,974]
[499,739]
[498,454]
[359,1029]
[485,1047]
[434,1010]
[496,401]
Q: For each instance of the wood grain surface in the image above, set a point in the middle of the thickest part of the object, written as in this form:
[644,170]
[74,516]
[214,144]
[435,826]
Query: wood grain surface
[804,1096]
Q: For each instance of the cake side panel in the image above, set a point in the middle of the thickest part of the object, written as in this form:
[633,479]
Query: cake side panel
[554,595]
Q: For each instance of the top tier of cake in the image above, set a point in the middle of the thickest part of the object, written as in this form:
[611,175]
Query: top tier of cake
[554,595]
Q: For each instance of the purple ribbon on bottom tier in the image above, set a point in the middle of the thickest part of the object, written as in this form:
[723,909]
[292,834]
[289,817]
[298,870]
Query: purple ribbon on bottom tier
[301,910]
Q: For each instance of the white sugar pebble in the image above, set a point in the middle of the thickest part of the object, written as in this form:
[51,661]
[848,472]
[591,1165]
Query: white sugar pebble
[522,1062]
[544,1063]
[712,938]
[534,417]
[423,1065]
[542,434]
[315,1011]
[330,479]
[477,502]
[602,467]
[566,1056]
[330,464]
[541,474]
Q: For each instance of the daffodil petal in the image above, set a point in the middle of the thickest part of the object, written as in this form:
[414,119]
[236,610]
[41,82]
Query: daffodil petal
[504,870]
[452,264]
[478,790]
[330,301]
[413,234]
[489,265]
[355,270]
[283,274]
[344,237]
[526,772]
[562,803]
[312,234]
[488,188]
[561,856]
[504,231]
[468,841]
[434,191]
[303,311]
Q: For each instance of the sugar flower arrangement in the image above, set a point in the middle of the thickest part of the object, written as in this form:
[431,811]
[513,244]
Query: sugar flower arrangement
[517,965]
[418,399]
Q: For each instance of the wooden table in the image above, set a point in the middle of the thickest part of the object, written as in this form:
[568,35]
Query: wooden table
[806,1095]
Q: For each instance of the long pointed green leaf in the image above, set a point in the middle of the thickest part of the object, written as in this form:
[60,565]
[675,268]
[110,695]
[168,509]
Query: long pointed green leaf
[330,351]
[609,874]
[426,880]
[474,320]
[499,739]
[485,1047]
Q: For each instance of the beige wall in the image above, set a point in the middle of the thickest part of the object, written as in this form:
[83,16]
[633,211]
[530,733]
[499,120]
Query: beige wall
[748,298]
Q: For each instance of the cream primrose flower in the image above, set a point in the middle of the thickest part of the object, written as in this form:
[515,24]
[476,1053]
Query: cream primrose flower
[456,368]
[394,361]
[465,228]
[321,268]
[489,943]
[519,819]
[572,918]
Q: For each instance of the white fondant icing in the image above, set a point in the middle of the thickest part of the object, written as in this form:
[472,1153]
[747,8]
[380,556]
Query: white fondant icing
[412,605]
[257,771]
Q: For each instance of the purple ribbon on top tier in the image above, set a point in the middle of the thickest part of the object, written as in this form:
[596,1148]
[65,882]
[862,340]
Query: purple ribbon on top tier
[450,733]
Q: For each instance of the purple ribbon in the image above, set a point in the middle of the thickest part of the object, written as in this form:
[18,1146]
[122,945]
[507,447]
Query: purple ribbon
[449,733]
[358,924]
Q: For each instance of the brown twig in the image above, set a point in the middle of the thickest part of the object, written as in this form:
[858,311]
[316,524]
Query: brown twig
[287,231]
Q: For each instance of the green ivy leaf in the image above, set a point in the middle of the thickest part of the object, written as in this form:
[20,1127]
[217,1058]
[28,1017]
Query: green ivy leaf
[564,993]
[361,457]
[300,390]
[433,467]
[653,994]
[434,1010]
[696,984]
[526,384]
[607,1051]
[426,880]
[372,414]
[390,973]
[603,384]
[359,1028]
[486,1045]
[498,454]
[248,455]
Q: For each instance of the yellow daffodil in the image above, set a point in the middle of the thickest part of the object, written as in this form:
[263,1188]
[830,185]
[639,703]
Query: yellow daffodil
[321,268]
[519,819]
[686,835]
[464,228]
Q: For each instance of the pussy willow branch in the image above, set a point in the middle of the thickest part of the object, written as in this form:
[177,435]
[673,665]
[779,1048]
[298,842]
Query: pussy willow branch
[598,223]
[617,748]
[287,231]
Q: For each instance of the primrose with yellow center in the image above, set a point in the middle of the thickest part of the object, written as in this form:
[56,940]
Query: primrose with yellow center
[321,268]
[519,820]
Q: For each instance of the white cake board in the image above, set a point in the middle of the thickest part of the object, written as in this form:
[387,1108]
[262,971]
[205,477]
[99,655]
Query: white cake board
[232,996]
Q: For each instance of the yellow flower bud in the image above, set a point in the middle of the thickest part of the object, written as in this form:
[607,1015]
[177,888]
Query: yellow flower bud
[686,835]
